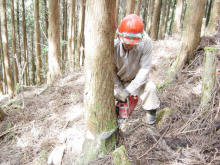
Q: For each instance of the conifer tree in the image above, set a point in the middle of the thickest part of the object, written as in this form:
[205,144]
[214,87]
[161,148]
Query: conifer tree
[53,41]
[4,36]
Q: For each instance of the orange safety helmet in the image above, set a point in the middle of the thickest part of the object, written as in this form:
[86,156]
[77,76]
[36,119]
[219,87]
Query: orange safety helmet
[131,29]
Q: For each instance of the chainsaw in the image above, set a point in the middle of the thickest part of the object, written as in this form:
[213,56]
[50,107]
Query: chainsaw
[124,109]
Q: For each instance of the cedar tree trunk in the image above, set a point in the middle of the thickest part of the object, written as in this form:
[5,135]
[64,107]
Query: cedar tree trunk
[138,7]
[215,17]
[192,26]
[177,18]
[150,17]
[64,35]
[37,40]
[71,35]
[130,6]
[80,32]
[156,20]
[162,26]
[5,47]
[99,65]
[53,41]
[14,52]
[26,77]
[18,35]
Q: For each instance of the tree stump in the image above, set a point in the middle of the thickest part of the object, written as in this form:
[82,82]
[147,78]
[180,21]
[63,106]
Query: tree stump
[208,75]
[120,156]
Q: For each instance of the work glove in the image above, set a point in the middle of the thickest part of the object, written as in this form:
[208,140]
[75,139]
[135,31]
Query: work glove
[121,94]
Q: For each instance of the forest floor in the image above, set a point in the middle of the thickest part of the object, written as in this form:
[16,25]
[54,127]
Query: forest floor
[50,119]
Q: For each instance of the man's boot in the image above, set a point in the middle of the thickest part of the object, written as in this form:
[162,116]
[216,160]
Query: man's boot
[151,117]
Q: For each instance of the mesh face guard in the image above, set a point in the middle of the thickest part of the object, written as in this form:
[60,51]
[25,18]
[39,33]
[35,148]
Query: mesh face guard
[130,38]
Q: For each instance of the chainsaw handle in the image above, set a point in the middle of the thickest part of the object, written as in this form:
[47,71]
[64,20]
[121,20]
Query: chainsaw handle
[128,102]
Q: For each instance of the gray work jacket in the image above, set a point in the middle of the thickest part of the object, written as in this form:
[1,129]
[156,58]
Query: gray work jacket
[132,67]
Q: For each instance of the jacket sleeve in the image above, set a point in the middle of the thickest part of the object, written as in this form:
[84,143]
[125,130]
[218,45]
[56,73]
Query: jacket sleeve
[145,66]
[117,84]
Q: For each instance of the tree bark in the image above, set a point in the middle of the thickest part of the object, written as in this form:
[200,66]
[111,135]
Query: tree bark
[64,35]
[5,89]
[46,31]
[151,11]
[206,8]
[37,41]
[53,41]
[18,34]
[177,18]
[215,17]
[123,5]
[1,89]
[99,66]
[82,50]
[26,77]
[146,4]
[156,20]
[4,81]
[209,7]
[208,75]
[14,52]
[162,27]
[1,65]
[167,16]
[46,17]
[5,47]
[33,66]
[192,25]
[80,32]
[71,35]
[130,6]
[172,18]
[117,12]
[138,7]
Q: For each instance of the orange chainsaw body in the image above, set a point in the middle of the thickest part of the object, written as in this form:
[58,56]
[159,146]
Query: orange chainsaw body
[124,109]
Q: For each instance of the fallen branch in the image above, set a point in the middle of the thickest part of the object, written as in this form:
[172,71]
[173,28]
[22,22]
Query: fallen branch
[8,131]
[190,64]
[184,132]
[192,119]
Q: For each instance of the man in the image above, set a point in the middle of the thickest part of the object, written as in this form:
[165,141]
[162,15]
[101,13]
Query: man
[133,57]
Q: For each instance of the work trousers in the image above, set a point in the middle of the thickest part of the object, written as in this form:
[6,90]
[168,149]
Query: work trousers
[148,96]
